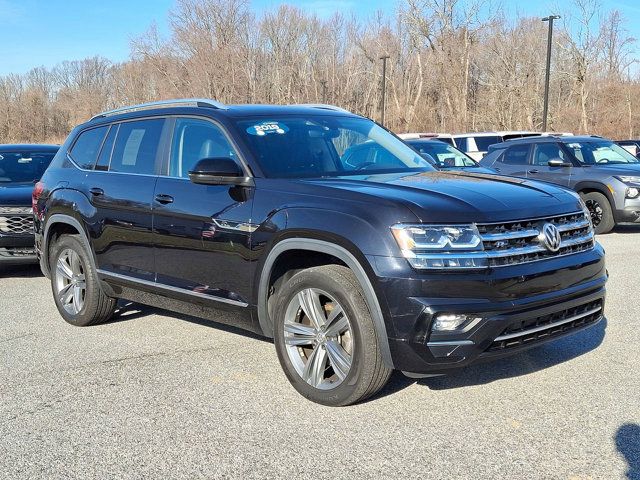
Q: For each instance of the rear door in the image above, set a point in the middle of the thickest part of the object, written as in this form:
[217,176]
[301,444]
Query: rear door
[514,161]
[540,169]
[120,188]
[202,232]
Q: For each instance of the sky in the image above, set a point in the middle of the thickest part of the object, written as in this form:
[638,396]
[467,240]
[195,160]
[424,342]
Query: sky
[46,32]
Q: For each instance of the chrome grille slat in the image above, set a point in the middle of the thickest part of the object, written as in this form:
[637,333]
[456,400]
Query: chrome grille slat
[517,242]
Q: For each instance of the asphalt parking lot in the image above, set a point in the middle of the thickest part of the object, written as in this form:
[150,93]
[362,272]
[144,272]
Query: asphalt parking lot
[157,395]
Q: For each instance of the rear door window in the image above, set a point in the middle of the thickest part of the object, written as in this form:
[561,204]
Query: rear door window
[136,147]
[516,155]
[107,149]
[85,149]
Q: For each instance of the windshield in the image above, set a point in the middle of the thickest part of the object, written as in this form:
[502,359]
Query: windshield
[324,146]
[600,152]
[23,167]
[443,155]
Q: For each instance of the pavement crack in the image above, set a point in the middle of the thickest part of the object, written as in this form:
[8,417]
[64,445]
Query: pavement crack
[17,337]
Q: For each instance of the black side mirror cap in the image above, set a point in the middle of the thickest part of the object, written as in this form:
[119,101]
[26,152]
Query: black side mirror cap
[558,162]
[219,171]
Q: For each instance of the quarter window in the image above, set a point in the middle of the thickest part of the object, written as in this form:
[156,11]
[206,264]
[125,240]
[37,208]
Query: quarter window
[85,150]
[193,140]
[136,147]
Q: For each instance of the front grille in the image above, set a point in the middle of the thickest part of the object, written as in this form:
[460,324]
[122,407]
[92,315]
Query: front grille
[544,327]
[15,224]
[18,252]
[513,243]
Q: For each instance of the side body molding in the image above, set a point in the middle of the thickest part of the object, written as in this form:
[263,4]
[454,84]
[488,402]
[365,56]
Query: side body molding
[338,252]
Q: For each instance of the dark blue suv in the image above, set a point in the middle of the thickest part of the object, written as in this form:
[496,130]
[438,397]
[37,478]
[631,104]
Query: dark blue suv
[21,166]
[254,216]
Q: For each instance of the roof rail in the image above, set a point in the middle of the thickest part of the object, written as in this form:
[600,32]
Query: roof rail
[187,102]
[323,106]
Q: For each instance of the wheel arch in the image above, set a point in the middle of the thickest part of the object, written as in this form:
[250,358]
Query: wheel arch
[60,224]
[344,256]
[588,187]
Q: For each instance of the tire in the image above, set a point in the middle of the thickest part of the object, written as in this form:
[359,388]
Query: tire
[601,212]
[75,286]
[345,339]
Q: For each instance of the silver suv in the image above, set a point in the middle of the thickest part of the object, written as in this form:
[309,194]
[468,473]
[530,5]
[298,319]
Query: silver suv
[602,172]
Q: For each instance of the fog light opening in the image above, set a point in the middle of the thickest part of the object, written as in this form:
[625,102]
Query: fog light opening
[449,322]
[633,192]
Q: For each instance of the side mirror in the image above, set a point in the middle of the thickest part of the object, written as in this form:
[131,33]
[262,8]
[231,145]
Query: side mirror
[558,162]
[219,171]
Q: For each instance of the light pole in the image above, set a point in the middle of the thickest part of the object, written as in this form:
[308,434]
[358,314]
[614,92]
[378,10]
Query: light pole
[384,87]
[545,111]
[324,90]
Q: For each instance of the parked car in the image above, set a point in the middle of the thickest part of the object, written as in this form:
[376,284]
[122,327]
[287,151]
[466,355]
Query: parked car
[631,146]
[252,215]
[443,137]
[21,166]
[606,176]
[476,145]
[445,157]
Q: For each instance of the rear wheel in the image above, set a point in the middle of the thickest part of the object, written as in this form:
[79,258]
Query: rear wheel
[325,337]
[600,210]
[76,289]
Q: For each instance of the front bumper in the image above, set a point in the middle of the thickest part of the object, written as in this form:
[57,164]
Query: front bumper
[520,307]
[17,249]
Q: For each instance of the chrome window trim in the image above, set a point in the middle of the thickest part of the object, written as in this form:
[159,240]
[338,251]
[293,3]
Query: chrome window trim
[170,288]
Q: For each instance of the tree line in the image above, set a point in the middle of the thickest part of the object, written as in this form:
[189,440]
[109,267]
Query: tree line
[453,66]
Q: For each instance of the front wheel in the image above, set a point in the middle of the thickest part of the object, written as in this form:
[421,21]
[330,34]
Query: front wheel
[325,337]
[600,210]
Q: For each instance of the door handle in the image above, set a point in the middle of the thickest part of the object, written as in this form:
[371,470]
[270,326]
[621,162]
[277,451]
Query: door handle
[95,191]
[164,199]
[534,171]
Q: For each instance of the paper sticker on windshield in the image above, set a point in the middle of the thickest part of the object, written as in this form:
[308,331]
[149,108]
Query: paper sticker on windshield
[268,128]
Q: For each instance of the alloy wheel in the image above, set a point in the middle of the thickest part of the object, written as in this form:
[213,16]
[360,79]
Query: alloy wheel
[70,281]
[318,338]
[596,212]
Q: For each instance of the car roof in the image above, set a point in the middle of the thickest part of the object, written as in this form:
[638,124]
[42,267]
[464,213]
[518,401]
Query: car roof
[426,140]
[8,147]
[547,139]
[215,109]
[495,134]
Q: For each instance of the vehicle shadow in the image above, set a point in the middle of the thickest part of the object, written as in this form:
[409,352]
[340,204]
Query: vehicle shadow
[20,271]
[529,361]
[626,229]
[628,444]
[130,311]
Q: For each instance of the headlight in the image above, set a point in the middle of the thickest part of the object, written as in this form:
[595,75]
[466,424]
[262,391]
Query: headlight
[625,179]
[440,246]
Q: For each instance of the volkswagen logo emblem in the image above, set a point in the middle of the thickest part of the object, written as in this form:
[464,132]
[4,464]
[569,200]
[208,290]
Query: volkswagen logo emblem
[550,237]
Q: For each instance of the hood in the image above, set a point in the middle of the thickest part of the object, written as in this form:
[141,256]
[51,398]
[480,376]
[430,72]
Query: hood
[617,169]
[469,169]
[18,194]
[459,196]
